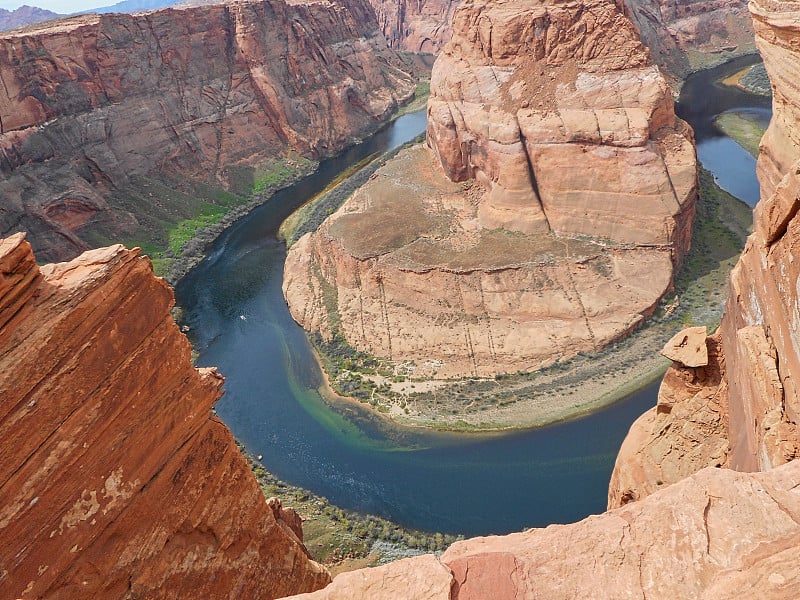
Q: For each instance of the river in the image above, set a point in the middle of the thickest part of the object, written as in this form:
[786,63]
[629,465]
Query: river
[463,484]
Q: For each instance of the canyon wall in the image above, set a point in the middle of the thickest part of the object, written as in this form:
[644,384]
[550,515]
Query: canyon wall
[678,525]
[741,410]
[555,201]
[682,35]
[416,25]
[93,108]
[686,35]
[116,479]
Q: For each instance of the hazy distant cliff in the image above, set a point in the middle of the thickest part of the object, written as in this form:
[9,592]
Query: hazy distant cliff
[92,108]
[681,34]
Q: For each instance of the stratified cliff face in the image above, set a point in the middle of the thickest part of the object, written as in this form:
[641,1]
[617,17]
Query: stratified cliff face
[685,35]
[577,204]
[757,398]
[92,104]
[116,481]
[416,25]
[554,107]
[717,535]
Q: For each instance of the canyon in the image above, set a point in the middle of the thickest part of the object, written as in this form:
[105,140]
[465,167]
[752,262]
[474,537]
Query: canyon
[120,482]
[547,217]
[117,481]
[704,501]
[117,127]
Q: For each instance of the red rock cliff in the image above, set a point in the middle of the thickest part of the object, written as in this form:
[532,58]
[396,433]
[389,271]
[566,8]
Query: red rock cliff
[583,202]
[554,107]
[416,25]
[116,480]
[751,402]
[683,35]
[90,105]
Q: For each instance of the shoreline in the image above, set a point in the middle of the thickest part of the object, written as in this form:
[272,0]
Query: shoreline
[572,388]
[196,249]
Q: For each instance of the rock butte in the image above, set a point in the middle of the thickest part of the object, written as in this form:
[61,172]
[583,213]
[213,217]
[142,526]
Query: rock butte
[582,203]
[94,107]
[677,527]
[116,480]
[681,34]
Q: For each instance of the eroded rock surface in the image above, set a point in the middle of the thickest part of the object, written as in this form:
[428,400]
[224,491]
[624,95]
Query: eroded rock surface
[94,107]
[567,200]
[747,418]
[116,480]
[416,25]
[718,534]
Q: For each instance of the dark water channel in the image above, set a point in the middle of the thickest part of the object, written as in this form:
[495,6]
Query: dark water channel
[444,482]
[702,99]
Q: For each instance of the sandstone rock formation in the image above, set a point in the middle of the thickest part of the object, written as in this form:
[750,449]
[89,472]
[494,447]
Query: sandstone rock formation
[686,35]
[102,118]
[686,430]
[416,25]
[116,480]
[719,534]
[683,35]
[582,203]
[688,347]
[749,410]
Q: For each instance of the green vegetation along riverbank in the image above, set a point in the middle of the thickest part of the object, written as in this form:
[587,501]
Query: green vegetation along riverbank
[343,539]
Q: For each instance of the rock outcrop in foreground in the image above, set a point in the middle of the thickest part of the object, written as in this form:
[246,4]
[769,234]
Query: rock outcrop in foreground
[103,118]
[717,535]
[741,410]
[567,200]
[116,481]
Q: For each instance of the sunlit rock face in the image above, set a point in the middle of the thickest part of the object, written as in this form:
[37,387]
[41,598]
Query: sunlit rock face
[95,106]
[116,480]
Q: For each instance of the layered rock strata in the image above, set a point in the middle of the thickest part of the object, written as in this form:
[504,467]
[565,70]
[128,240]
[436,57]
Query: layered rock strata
[718,534]
[745,417]
[686,35]
[416,25]
[683,35]
[92,106]
[116,480]
[576,204]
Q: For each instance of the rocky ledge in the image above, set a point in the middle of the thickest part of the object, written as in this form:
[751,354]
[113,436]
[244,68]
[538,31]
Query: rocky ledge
[555,202]
[717,535]
[741,409]
[103,118]
[116,479]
